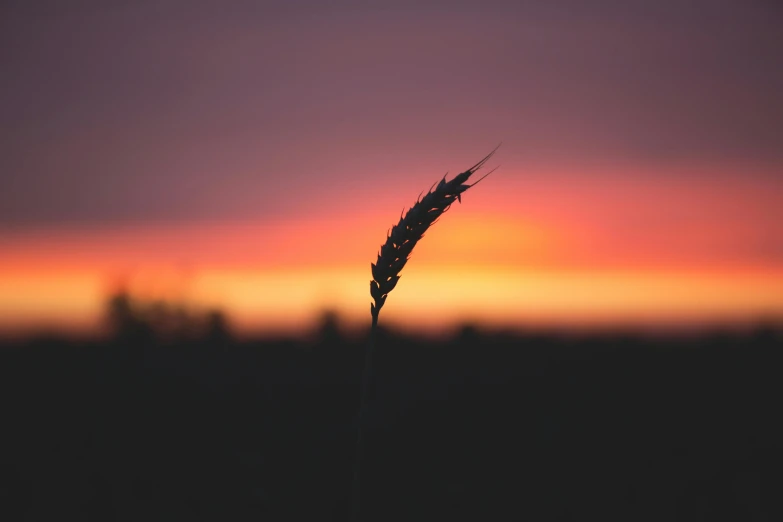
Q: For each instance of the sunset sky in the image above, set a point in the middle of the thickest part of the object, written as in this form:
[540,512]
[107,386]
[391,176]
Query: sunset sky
[252,155]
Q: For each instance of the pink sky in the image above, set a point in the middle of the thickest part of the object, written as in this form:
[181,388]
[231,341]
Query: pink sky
[252,157]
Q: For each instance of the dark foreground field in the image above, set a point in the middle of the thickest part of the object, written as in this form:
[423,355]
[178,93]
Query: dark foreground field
[480,427]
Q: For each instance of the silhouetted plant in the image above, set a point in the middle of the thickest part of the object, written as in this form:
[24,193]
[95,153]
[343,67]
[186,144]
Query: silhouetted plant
[392,257]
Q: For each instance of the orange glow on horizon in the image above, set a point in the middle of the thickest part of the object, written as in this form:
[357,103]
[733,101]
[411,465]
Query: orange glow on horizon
[427,298]
[620,251]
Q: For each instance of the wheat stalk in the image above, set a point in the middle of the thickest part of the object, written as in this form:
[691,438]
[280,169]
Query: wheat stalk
[392,257]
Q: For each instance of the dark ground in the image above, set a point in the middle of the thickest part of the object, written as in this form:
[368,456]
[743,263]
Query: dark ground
[479,427]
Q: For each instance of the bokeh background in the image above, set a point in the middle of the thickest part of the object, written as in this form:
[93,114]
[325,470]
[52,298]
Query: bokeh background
[192,192]
[250,157]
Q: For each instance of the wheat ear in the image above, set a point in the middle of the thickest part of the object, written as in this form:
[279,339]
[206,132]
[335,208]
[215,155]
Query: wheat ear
[393,255]
[399,244]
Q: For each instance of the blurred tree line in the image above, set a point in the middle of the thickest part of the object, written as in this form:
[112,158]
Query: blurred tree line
[174,418]
[135,320]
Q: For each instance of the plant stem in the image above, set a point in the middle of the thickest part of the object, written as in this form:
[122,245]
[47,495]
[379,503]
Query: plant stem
[363,401]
